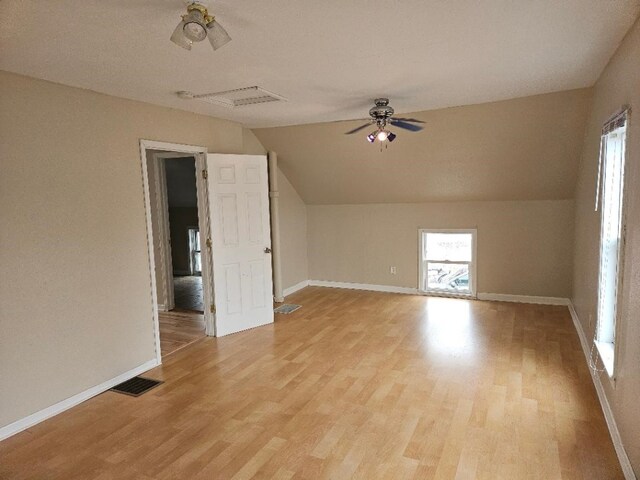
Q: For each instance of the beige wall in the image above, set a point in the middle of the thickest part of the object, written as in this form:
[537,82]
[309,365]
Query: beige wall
[293,222]
[293,234]
[75,304]
[618,85]
[507,167]
[252,145]
[524,248]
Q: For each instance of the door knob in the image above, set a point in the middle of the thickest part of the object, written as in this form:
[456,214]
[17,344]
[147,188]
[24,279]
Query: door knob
[267,250]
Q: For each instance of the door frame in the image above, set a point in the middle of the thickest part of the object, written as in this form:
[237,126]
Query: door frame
[162,207]
[200,154]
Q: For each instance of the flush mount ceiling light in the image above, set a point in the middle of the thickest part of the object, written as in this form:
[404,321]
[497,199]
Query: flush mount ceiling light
[197,25]
[381,116]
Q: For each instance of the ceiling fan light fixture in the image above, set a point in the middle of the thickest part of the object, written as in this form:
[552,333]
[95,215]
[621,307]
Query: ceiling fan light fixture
[179,38]
[197,25]
[218,36]
[381,135]
[381,117]
[194,27]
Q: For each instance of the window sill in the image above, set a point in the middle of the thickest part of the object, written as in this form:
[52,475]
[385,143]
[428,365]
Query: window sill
[606,351]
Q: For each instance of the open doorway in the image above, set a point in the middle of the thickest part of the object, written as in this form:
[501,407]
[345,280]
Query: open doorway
[175,234]
[184,233]
[238,236]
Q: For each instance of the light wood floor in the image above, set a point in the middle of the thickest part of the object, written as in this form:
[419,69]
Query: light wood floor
[353,385]
[179,329]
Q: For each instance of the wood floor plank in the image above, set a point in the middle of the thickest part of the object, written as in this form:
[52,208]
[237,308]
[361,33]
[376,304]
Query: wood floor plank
[353,385]
[179,329]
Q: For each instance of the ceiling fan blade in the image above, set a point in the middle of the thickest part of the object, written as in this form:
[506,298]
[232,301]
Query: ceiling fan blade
[406,126]
[179,39]
[408,120]
[217,35]
[357,129]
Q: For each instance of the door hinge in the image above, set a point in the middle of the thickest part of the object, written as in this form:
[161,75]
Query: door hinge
[209,242]
[205,174]
[213,308]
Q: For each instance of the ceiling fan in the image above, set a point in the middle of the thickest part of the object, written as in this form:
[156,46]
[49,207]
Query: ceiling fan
[196,25]
[381,116]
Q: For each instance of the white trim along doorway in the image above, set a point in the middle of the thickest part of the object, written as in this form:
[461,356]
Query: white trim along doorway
[236,188]
[178,150]
[162,209]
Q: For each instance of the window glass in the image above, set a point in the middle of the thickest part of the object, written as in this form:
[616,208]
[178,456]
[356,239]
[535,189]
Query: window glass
[612,170]
[454,247]
[447,262]
[448,276]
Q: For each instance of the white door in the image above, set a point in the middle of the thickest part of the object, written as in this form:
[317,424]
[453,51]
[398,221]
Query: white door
[241,241]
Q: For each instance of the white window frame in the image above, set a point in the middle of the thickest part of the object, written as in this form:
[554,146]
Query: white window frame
[422,271]
[607,347]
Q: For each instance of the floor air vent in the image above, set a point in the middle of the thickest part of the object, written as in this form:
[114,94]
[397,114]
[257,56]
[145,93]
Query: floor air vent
[287,308]
[239,97]
[136,386]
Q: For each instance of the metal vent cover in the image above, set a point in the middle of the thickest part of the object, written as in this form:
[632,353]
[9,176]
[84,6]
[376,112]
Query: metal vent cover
[136,386]
[287,308]
[239,97]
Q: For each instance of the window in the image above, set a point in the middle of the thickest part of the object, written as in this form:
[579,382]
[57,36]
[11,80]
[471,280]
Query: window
[447,261]
[194,252]
[611,193]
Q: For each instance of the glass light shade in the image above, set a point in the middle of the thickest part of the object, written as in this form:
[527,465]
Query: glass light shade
[382,135]
[218,36]
[194,27]
[195,32]
[179,39]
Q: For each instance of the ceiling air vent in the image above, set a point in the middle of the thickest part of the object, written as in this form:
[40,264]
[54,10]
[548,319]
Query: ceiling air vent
[236,98]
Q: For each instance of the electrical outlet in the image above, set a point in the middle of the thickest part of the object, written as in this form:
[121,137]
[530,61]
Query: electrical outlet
[393,270]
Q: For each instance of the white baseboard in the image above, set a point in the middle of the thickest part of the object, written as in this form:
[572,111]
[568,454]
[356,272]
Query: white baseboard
[294,288]
[364,286]
[501,297]
[34,418]
[414,291]
[627,469]
[162,307]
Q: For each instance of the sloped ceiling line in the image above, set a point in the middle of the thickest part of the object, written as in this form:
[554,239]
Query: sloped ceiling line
[522,149]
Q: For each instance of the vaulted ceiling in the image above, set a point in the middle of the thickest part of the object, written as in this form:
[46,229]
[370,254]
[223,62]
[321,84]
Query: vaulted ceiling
[329,58]
[521,149]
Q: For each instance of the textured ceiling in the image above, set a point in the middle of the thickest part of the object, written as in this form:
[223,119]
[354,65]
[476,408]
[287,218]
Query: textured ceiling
[521,149]
[328,58]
